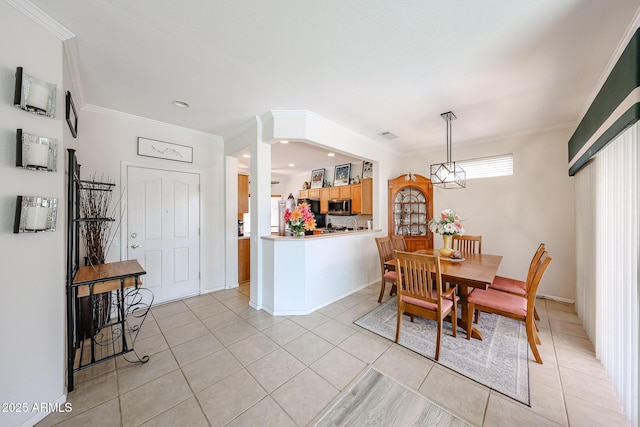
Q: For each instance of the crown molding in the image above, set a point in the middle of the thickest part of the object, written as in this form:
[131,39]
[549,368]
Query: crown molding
[42,19]
[133,118]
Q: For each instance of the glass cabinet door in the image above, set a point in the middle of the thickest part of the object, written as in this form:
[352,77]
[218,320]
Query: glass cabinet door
[410,212]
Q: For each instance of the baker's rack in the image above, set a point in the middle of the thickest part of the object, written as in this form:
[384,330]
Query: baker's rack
[118,304]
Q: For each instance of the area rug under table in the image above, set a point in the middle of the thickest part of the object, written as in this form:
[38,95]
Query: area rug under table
[499,361]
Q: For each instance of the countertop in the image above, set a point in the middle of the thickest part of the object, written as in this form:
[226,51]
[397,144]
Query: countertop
[323,235]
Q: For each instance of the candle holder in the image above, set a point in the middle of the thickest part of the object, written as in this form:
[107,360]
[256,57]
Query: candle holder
[35,214]
[36,152]
[33,95]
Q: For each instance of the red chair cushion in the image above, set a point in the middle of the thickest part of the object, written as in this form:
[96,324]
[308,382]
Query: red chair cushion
[498,300]
[390,276]
[505,284]
[446,303]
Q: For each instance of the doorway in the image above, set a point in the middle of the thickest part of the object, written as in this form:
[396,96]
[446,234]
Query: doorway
[163,223]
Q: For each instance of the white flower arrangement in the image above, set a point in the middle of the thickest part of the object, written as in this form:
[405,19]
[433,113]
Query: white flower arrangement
[448,224]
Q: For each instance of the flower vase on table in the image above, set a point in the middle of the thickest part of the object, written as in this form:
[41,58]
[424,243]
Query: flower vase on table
[446,250]
[300,219]
[448,225]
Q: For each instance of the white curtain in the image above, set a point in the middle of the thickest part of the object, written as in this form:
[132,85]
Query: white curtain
[607,261]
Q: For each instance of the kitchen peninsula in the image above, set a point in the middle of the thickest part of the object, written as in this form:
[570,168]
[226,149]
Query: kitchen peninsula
[303,274]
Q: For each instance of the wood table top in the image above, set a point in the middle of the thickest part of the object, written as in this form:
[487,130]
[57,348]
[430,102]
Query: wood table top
[476,270]
[103,272]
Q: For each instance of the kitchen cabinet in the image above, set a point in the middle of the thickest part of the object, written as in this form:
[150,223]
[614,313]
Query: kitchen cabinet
[244,260]
[324,200]
[362,197]
[356,198]
[243,195]
[367,196]
[410,209]
[345,192]
[341,192]
[334,193]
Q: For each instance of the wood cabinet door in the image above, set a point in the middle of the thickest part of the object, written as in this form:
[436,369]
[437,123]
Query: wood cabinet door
[243,195]
[356,199]
[324,200]
[345,192]
[304,194]
[367,196]
[334,193]
[314,193]
[244,260]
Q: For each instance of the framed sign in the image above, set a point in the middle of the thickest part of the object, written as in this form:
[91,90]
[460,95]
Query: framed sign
[342,175]
[164,150]
[317,178]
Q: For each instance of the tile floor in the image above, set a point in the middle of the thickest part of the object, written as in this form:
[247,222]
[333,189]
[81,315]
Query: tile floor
[216,361]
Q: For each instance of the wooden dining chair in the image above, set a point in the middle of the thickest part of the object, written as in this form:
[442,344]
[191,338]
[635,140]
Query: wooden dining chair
[512,306]
[388,274]
[398,242]
[469,244]
[420,292]
[519,287]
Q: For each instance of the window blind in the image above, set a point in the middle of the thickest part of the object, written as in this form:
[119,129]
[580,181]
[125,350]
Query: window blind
[607,207]
[487,167]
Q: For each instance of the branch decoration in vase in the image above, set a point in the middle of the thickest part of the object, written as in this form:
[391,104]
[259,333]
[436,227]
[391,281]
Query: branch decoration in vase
[447,224]
[300,219]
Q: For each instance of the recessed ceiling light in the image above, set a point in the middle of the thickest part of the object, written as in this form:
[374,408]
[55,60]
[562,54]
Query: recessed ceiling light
[284,142]
[331,154]
[291,165]
[246,156]
[180,104]
[388,135]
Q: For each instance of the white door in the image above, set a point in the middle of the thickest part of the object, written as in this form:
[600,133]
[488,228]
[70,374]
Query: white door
[163,220]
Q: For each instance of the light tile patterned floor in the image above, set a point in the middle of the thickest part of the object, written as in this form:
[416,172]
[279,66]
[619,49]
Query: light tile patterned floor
[216,361]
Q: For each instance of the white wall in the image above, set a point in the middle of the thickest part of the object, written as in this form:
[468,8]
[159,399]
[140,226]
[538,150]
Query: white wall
[32,306]
[108,143]
[515,214]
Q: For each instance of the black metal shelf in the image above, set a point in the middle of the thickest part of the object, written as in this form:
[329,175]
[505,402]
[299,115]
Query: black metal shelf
[107,297]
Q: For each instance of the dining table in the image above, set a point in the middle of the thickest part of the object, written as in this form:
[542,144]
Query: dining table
[472,271]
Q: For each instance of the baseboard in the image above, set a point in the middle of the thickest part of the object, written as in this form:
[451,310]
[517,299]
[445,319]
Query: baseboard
[557,299]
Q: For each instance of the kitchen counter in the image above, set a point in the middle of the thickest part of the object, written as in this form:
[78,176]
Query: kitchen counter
[303,274]
[324,235]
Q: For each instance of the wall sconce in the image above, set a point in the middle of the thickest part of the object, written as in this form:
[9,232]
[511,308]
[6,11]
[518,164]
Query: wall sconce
[34,214]
[34,95]
[36,152]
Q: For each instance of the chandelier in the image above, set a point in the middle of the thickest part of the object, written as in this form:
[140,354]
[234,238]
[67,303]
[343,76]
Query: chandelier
[449,174]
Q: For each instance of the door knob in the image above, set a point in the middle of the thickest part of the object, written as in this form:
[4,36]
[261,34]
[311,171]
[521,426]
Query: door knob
[135,246]
[134,235]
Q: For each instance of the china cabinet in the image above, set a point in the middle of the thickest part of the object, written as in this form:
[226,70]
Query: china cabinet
[410,209]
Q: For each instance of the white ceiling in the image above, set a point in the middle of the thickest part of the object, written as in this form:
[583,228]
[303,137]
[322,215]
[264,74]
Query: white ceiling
[503,66]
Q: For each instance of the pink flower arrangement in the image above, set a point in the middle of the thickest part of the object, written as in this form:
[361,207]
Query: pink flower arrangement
[448,224]
[300,219]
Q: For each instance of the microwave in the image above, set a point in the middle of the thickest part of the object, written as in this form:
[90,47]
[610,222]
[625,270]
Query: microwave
[340,207]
